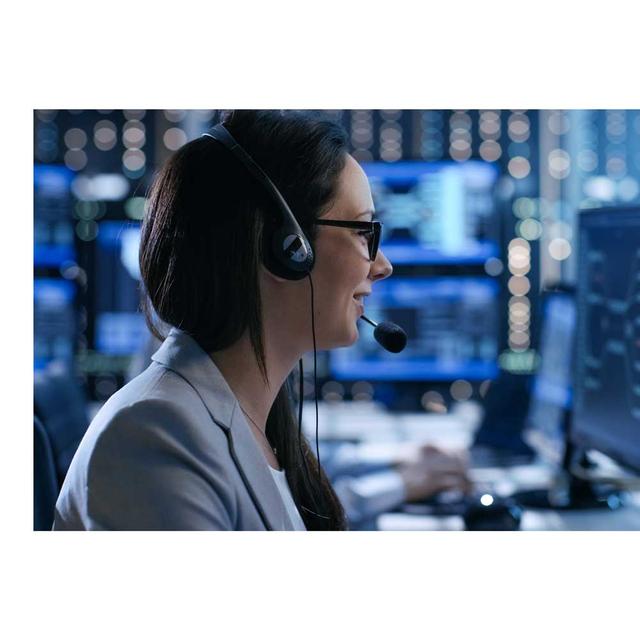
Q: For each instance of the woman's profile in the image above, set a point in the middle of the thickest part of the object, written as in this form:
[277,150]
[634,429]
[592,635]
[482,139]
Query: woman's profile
[207,436]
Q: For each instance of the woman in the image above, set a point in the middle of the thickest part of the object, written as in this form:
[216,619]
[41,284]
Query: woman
[206,438]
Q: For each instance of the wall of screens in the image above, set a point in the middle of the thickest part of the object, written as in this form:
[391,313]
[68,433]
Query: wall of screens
[487,194]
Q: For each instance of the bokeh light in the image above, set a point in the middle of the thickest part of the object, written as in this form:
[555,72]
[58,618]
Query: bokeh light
[75,159]
[616,166]
[46,115]
[105,135]
[519,128]
[362,391]
[331,391]
[559,162]
[524,207]
[519,167]
[489,125]
[133,159]
[490,150]
[134,114]
[558,123]
[628,189]
[87,230]
[587,160]
[135,207]
[175,115]
[529,229]
[461,390]
[174,138]
[87,209]
[390,136]
[519,285]
[75,138]
[133,134]
[460,136]
[559,249]
[493,267]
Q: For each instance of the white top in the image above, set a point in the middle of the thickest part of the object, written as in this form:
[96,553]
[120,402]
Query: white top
[287,498]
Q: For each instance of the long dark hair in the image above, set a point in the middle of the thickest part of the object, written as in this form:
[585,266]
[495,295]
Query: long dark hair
[201,249]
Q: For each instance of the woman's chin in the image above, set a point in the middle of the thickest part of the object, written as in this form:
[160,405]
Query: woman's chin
[345,340]
[352,338]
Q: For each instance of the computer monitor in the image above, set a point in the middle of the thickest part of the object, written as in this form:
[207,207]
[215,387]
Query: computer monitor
[436,212]
[451,325]
[54,321]
[552,386]
[53,216]
[607,375]
[120,328]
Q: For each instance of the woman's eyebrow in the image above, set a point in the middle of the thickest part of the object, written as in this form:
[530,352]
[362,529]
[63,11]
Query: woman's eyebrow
[368,212]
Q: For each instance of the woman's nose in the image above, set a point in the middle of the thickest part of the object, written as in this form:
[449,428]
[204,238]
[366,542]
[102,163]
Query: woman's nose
[380,268]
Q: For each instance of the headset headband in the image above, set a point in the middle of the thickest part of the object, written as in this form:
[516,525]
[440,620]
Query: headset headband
[291,256]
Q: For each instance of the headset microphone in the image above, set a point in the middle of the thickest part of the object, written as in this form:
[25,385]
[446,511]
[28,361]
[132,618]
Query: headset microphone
[389,335]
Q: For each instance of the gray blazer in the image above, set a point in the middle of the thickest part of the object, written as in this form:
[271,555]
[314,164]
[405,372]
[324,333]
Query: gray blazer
[171,450]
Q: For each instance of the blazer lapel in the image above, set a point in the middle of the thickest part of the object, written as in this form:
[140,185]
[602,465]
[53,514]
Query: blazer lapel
[255,472]
[182,354]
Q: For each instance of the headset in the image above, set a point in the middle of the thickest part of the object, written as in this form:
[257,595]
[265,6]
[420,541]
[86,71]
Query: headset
[287,253]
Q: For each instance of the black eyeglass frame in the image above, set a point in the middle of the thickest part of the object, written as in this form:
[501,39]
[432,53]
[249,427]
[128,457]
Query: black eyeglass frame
[375,227]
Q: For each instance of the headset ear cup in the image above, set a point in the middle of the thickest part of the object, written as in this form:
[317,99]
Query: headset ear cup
[288,255]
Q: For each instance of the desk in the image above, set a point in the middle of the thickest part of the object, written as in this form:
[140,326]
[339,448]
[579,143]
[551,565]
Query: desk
[626,518]
[382,434]
[370,422]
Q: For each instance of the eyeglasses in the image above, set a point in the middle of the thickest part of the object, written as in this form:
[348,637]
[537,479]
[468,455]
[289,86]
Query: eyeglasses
[370,230]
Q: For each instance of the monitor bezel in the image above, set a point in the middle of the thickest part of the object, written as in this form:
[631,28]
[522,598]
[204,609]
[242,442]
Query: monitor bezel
[578,439]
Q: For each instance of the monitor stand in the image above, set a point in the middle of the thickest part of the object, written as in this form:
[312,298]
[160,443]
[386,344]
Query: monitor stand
[568,492]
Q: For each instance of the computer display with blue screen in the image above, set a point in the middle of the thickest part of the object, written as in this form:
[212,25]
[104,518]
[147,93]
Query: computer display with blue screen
[552,389]
[436,213]
[53,221]
[451,326]
[54,298]
[119,325]
[54,321]
[607,388]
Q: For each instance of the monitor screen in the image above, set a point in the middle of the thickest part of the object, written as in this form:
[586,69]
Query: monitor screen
[53,221]
[607,387]
[435,213]
[54,321]
[119,326]
[552,389]
[451,325]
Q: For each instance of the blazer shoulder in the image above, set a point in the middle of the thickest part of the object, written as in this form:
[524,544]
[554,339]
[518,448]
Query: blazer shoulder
[164,465]
[159,395]
[167,408]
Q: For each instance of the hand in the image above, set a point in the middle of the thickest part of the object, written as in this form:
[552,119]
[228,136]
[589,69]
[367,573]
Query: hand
[433,470]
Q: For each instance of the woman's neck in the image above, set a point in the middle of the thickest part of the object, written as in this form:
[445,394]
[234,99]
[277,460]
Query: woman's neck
[239,366]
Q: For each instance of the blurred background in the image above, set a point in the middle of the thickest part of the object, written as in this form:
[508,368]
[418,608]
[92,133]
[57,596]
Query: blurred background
[481,222]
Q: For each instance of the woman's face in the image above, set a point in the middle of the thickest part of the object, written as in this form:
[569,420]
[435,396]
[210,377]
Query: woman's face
[342,267]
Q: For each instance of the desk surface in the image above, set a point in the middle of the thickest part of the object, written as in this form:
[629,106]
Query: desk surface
[626,518]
